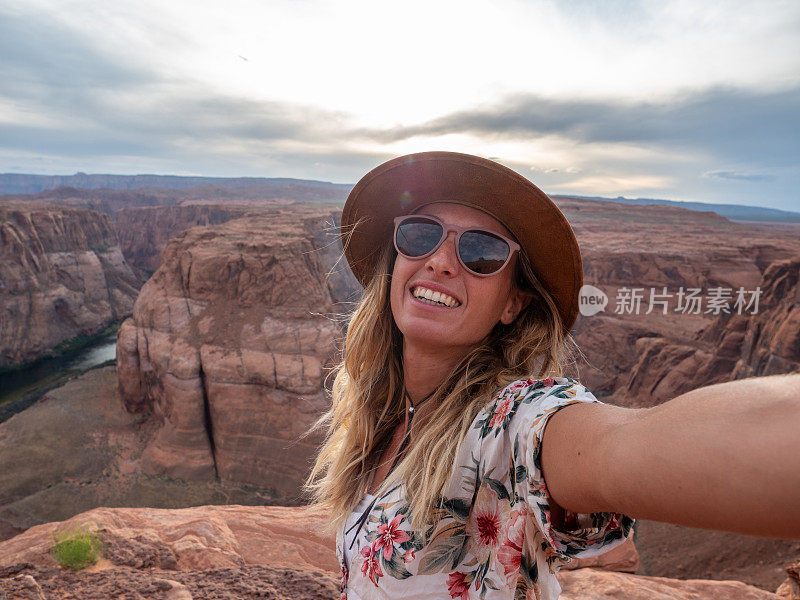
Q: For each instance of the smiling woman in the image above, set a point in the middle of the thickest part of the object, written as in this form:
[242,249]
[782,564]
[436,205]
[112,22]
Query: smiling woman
[433,469]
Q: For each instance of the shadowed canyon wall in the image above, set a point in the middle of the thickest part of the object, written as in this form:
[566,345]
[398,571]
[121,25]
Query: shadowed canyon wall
[640,359]
[62,275]
[144,232]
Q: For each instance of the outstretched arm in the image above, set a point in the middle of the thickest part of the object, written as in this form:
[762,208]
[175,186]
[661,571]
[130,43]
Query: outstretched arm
[725,456]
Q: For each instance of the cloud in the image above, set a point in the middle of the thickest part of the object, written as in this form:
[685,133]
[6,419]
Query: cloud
[62,96]
[762,126]
[127,87]
[44,59]
[739,176]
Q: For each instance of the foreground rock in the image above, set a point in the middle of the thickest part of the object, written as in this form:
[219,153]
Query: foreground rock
[219,552]
[227,348]
[63,276]
[24,582]
[790,589]
[586,584]
[239,552]
[667,550]
[203,537]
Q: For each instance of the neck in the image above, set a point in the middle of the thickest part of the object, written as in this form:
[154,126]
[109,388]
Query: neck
[425,368]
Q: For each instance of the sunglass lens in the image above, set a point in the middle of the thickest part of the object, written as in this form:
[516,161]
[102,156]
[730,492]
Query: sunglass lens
[482,252]
[418,236]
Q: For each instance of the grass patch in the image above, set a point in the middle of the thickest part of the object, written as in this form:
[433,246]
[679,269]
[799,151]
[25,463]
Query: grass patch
[76,548]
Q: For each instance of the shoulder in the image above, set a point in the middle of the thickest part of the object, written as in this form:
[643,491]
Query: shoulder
[530,402]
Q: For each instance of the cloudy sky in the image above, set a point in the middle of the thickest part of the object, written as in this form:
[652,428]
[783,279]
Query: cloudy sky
[671,99]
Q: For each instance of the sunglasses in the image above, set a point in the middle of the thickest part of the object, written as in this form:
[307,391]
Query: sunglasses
[480,252]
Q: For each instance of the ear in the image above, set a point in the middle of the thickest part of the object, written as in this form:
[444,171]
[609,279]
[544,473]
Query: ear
[517,301]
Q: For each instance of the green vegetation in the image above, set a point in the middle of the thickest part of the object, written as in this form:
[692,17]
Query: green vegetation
[76,548]
[81,340]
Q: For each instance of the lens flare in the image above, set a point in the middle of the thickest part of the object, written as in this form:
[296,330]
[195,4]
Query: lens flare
[405,200]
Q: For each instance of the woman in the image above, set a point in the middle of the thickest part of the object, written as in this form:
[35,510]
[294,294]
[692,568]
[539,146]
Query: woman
[433,469]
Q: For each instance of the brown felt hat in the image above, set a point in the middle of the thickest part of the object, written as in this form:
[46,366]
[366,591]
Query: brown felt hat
[406,183]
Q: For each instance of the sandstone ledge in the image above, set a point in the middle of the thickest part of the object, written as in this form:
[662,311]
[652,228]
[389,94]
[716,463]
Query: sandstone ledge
[235,552]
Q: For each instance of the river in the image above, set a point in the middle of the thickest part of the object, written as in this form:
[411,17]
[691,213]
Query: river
[20,389]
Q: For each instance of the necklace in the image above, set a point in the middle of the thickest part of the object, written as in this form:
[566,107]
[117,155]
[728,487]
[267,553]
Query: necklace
[410,412]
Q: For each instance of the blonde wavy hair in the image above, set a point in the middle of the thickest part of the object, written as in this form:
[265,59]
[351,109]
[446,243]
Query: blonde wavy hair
[368,397]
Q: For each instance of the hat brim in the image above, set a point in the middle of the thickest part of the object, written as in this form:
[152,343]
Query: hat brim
[406,183]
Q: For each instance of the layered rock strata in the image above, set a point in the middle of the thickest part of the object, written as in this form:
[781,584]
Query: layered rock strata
[62,275]
[632,251]
[733,346]
[144,232]
[227,348]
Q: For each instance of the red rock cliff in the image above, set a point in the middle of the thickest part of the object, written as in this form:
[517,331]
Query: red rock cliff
[640,359]
[733,346]
[62,274]
[226,351]
[145,231]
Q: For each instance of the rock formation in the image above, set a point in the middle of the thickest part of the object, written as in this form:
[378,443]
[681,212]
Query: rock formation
[145,231]
[790,589]
[636,358]
[593,584]
[235,552]
[77,449]
[62,275]
[227,350]
[203,537]
[733,346]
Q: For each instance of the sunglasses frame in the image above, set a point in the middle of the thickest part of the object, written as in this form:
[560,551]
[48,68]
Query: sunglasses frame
[459,231]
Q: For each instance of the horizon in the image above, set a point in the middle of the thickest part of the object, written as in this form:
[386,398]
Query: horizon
[647,200]
[626,99]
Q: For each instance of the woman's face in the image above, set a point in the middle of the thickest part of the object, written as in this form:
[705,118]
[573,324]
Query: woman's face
[480,301]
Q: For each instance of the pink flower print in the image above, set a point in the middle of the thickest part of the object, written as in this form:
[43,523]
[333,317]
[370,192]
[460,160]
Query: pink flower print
[489,528]
[571,522]
[486,522]
[510,553]
[518,385]
[458,586]
[409,556]
[548,382]
[390,534]
[539,489]
[343,586]
[371,567]
[503,408]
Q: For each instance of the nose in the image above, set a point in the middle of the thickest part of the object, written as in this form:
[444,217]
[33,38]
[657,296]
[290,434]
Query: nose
[444,261]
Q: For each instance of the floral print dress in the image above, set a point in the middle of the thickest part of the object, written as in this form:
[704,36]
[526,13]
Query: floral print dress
[493,539]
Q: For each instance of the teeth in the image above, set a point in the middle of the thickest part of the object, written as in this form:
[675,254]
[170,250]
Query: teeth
[437,298]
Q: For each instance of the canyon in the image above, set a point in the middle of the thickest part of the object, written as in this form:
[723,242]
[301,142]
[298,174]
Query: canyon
[222,359]
[62,276]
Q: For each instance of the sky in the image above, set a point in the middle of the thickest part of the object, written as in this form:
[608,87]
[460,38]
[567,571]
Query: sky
[674,99]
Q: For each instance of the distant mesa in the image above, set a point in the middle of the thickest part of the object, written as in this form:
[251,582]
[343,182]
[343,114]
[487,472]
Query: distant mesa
[295,189]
